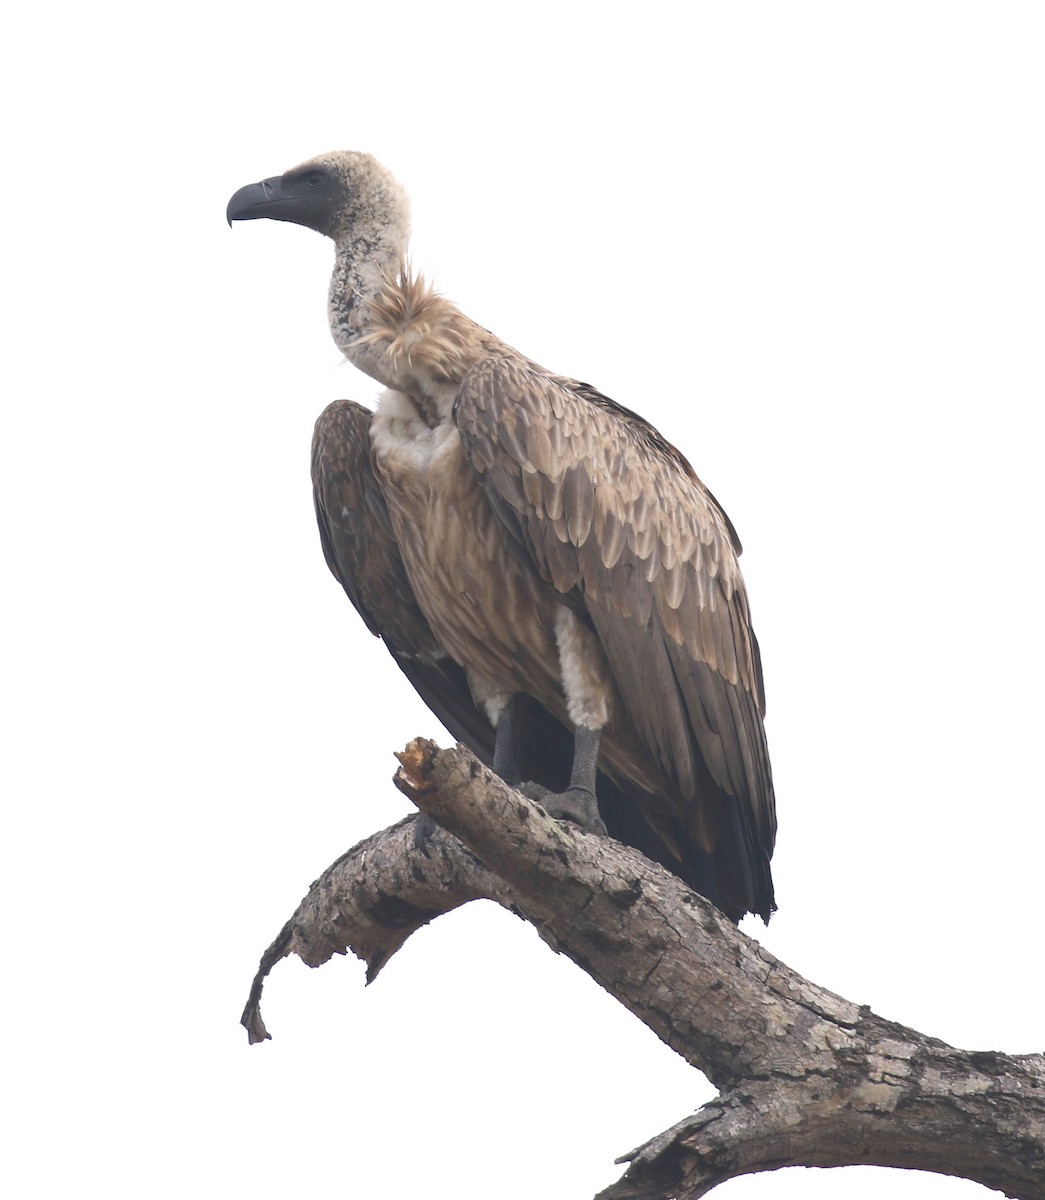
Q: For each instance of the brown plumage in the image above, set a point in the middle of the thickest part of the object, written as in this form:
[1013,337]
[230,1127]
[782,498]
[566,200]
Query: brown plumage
[511,532]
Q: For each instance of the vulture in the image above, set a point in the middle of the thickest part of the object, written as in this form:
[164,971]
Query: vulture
[547,569]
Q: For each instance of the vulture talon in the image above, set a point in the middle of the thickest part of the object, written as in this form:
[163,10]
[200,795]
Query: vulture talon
[425,828]
[576,804]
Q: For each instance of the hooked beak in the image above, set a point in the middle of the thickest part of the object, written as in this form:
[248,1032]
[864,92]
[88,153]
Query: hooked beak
[265,199]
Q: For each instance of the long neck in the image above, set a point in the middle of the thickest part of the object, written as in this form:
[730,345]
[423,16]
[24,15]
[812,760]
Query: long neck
[361,270]
[393,326]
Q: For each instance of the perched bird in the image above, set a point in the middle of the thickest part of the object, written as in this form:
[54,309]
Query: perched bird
[547,570]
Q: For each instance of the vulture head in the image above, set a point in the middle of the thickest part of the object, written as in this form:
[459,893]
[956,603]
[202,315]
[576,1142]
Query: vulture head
[345,195]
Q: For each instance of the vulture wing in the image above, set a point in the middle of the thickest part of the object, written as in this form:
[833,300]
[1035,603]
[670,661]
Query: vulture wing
[613,517]
[363,555]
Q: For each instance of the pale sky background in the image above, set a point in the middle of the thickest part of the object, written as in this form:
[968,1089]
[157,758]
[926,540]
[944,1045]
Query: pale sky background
[804,239]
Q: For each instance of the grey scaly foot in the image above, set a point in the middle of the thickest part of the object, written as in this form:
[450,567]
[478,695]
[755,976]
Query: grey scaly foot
[576,804]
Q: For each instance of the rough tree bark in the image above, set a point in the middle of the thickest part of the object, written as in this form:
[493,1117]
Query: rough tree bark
[804,1076]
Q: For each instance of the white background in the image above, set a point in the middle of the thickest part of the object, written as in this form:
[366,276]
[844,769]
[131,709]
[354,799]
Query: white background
[806,241]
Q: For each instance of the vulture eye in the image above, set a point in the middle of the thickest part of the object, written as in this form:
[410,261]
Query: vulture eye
[314,178]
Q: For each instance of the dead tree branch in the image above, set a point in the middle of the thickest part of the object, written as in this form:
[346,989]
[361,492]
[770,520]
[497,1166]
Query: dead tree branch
[805,1077]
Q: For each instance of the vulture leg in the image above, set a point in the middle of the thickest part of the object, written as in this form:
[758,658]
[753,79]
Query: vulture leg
[585,682]
[506,745]
[578,802]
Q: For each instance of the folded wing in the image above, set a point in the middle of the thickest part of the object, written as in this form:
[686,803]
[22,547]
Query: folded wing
[613,517]
[363,555]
